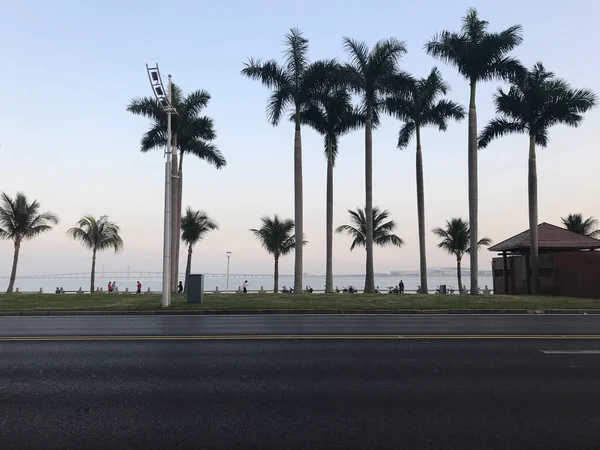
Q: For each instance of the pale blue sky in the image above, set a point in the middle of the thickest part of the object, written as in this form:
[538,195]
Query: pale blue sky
[69,69]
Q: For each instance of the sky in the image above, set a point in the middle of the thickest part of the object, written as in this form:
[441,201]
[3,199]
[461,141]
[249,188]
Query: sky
[69,69]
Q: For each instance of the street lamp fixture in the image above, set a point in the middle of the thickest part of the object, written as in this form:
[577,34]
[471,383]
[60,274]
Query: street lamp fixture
[228,257]
[164,100]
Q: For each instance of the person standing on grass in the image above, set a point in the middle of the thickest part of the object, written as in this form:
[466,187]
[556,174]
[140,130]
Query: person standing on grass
[139,288]
[180,288]
[114,286]
[245,287]
[401,287]
[110,287]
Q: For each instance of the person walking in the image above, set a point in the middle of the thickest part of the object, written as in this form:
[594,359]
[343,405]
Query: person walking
[401,287]
[139,288]
[110,287]
[245,287]
[180,288]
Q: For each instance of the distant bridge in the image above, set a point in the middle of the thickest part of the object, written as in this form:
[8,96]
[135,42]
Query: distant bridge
[130,275]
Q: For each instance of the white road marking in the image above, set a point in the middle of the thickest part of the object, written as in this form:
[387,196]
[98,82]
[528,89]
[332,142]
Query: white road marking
[571,352]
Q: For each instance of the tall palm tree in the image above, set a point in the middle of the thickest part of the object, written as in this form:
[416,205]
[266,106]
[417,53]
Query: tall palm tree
[19,221]
[418,104]
[277,238]
[369,74]
[192,133]
[292,83]
[456,240]
[478,55]
[194,226]
[382,230]
[97,235]
[576,224]
[535,101]
[332,115]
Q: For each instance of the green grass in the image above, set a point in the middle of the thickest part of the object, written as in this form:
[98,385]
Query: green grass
[147,302]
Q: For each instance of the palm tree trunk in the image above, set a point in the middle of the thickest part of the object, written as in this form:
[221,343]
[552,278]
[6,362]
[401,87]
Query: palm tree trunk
[188,268]
[93,272]
[329,220]
[533,216]
[179,202]
[421,213]
[370,275]
[459,276]
[13,272]
[298,211]
[276,276]
[473,199]
[174,203]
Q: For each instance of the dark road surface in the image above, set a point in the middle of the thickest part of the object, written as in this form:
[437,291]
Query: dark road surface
[424,393]
[369,324]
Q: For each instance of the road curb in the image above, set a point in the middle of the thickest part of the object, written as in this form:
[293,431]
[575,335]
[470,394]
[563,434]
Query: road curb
[216,312]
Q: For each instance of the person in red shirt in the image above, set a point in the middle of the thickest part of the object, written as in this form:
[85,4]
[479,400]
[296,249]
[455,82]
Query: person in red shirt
[139,287]
[110,288]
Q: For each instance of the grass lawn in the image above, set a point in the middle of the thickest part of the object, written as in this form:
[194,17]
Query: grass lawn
[146,302]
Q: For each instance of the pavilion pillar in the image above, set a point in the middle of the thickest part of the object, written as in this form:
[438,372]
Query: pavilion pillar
[505,272]
[528,273]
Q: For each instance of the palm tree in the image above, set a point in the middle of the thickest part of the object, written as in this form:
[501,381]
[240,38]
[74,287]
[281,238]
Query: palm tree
[19,221]
[418,105]
[369,74]
[456,240]
[535,101]
[478,55]
[192,133]
[97,235]
[332,115]
[292,83]
[576,224]
[277,238]
[382,230]
[194,226]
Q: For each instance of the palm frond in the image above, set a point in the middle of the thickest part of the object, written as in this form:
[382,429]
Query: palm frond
[97,234]
[20,219]
[195,225]
[207,152]
[194,103]
[496,128]
[275,235]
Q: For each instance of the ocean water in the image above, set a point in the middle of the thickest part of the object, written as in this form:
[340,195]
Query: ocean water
[255,283]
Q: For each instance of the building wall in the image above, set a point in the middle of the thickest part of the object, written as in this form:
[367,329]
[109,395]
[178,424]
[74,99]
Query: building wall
[572,274]
[578,274]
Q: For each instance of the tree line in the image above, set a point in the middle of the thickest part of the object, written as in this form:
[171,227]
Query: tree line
[318,94]
[21,220]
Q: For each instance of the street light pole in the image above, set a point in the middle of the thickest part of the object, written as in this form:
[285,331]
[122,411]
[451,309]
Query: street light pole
[165,101]
[228,256]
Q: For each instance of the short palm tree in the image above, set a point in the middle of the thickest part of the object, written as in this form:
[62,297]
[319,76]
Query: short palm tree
[382,230]
[97,235]
[369,74]
[456,240]
[535,101]
[478,55]
[576,224]
[19,221]
[277,238]
[292,83]
[193,134]
[194,226]
[332,115]
[418,104]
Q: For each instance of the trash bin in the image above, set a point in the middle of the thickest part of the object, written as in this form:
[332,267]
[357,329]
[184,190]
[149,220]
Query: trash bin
[195,288]
[442,289]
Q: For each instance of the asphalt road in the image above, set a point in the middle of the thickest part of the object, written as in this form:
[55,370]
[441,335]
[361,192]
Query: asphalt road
[262,382]
[315,325]
[299,394]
